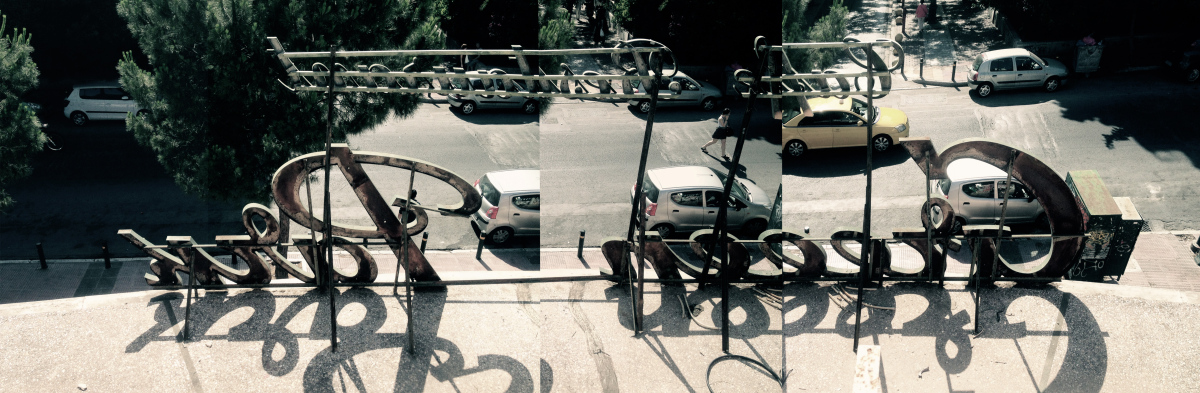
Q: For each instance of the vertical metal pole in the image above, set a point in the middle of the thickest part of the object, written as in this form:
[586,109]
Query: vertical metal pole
[42,257]
[579,253]
[975,274]
[330,97]
[719,228]
[1012,156]
[652,88]
[412,173]
[479,248]
[107,261]
[285,233]
[954,70]
[867,262]
[187,312]
[424,239]
[929,230]
[921,71]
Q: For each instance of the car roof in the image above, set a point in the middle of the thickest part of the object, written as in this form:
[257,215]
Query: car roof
[684,177]
[966,169]
[97,84]
[1005,53]
[516,180]
[826,103]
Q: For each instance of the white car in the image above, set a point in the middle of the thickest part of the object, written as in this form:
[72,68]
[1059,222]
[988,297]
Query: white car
[512,205]
[99,101]
[691,93]
[467,103]
[686,199]
[1014,69]
[971,191]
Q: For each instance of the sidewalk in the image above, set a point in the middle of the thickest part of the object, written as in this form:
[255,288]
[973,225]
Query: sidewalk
[1160,260]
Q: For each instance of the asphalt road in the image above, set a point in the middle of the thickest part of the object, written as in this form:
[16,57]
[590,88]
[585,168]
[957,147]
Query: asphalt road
[1137,130]
[591,150]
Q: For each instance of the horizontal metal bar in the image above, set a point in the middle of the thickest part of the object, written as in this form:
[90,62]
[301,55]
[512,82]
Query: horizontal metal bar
[481,52]
[415,284]
[642,96]
[458,75]
[820,45]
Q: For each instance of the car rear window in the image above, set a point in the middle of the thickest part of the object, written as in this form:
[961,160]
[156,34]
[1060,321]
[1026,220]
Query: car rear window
[488,191]
[650,189]
[978,62]
[944,184]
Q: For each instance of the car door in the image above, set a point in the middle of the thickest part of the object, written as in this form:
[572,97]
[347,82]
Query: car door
[689,91]
[526,214]
[117,103]
[977,204]
[850,130]
[815,131]
[1022,207]
[687,210]
[1002,73]
[1030,73]
[712,204]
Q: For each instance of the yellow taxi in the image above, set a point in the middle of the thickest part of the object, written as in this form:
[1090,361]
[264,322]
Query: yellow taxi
[842,123]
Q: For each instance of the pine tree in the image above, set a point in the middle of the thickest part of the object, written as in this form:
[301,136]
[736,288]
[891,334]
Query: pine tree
[20,130]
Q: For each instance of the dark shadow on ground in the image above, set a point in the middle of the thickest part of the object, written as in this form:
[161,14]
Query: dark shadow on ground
[841,161]
[327,366]
[1083,368]
[493,116]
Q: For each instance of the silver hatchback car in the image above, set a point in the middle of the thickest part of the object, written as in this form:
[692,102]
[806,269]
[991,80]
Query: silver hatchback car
[686,199]
[468,103]
[691,93]
[1013,69]
[512,205]
[971,191]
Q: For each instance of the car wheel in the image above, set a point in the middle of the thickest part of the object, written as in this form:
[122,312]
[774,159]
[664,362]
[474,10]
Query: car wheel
[79,118]
[500,236]
[664,230]
[755,227]
[1192,75]
[1052,85]
[643,106]
[881,143]
[794,149]
[530,107]
[957,228]
[708,104]
[467,108]
[984,90]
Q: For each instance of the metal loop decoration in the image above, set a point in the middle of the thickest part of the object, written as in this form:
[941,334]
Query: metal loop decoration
[804,83]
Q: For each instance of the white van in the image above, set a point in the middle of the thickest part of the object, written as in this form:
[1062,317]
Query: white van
[971,191]
[99,101]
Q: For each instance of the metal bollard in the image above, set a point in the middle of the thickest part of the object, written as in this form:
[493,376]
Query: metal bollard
[479,250]
[921,73]
[953,70]
[42,256]
[579,253]
[104,249]
[424,238]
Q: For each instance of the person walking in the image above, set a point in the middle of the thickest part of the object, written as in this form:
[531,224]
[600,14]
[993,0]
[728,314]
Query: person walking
[922,12]
[720,134]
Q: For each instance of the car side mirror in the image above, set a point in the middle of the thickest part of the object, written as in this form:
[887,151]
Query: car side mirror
[675,87]
[124,97]
[860,122]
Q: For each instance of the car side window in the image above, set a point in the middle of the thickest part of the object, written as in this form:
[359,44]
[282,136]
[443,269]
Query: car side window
[713,198]
[1005,64]
[823,119]
[1017,191]
[1027,64]
[113,93]
[848,119]
[91,94]
[528,202]
[980,190]
[687,198]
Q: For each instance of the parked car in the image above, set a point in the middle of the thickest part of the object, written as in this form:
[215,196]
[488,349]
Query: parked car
[691,93]
[469,102]
[842,123]
[99,101]
[971,191]
[1013,69]
[511,206]
[686,199]
[1187,63]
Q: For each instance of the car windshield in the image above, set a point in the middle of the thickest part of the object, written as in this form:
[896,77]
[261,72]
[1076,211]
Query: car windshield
[1037,59]
[860,108]
[738,191]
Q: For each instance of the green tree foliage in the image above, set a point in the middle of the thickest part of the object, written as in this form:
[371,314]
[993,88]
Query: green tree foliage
[20,130]
[555,32]
[830,28]
[220,121]
[1047,20]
